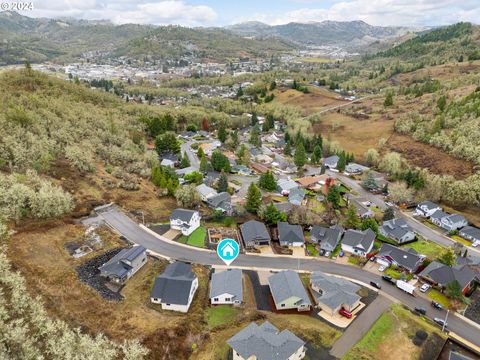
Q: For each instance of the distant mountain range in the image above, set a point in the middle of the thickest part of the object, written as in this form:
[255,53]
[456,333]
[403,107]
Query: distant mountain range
[350,35]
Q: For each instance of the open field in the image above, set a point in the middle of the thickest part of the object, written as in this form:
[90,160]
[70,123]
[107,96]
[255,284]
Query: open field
[426,156]
[354,135]
[391,338]
[317,99]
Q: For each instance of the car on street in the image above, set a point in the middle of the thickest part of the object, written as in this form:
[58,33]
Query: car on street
[421,310]
[375,285]
[389,279]
[440,322]
[436,305]
[424,288]
[345,313]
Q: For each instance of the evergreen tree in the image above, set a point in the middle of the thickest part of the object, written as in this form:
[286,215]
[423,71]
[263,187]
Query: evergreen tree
[222,184]
[389,214]
[352,221]
[388,99]
[267,181]
[167,143]
[222,134]
[220,161]
[273,85]
[254,120]
[333,196]
[369,223]
[234,138]
[287,150]
[300,155]
[200,152]
[185,161]
[204,164]
[447,257]
[317,154]
[239,92]
[255,139]
[341,162]
[254,198]
[270,214]
[243,155]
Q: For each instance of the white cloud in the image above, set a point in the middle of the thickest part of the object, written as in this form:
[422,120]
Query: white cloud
[156,12]
[382,12]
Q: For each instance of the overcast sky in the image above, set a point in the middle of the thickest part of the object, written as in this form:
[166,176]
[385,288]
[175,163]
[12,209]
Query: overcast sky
[225,12]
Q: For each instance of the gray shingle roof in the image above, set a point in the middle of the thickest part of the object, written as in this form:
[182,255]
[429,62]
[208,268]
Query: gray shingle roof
[222,199]
[289,234]
[407,259]
[227,282]
[444,274]
[396,228]
[296,196]
[287,284]
[359,239]
[428,205]
[471,231]
[116,265]
[331,161]
[265,342]
[182,214]
[328,238]
[335,291]
[253,232]
[439,214]
[205,190]
[174,284]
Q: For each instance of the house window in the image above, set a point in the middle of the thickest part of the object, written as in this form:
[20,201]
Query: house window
[215,299]
[167,304]
[228,299]
[283,305]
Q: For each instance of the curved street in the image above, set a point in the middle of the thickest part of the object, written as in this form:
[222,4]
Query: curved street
[126,227]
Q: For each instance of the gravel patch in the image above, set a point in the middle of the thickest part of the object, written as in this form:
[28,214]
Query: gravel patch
[89,274]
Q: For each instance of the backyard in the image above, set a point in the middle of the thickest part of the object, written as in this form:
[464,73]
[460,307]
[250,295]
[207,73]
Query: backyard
[425,247]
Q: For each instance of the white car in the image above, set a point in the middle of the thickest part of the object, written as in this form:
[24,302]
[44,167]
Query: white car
[381,268]
[424,288]
[476,243]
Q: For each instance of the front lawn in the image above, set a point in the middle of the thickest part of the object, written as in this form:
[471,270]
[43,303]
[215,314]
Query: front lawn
[312,249]
[221,315]
[427,248]
[196,238]
[461,240]
[439,297]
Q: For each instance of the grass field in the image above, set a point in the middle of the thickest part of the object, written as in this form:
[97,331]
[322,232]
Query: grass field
[221,315]
[461,240]
[425,247]
[196,238]
[439,297]
[391,338]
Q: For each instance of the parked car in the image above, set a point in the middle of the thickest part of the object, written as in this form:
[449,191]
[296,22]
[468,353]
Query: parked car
[440,322]
[436,305]
[345,313]
[328,253]
[389,279]
[476,243]
[372,258]
[322,252]
[424,288]
[375,285]
[341,254]
[421,310]
[381,268]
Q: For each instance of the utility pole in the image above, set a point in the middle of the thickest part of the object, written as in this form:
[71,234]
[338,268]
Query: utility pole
[445,321]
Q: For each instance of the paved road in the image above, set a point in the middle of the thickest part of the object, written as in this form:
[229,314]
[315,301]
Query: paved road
[360,326]
[421,229]
[192,156]
[133,232]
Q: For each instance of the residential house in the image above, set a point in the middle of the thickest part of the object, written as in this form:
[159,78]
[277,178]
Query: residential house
[211,178]
[453,222]
[426,209]
[187,221]
[376,181]
[175,287]
[206,192]
[284,186]
[355,169]
[182,172]
[288,291]
[241,169]
[437,217]
[254,233]
[290,235]
[442,275]
[283,206]
[470,233]
[260,168]
[407,259]
[358,242]
[328,238]
[363,211]
[296,196]
[222,202]
[398,230]
[227,287]
[263,159]
[167,162]
[265,342]
[124,265]
[314,183]
[332,293]
[331,162]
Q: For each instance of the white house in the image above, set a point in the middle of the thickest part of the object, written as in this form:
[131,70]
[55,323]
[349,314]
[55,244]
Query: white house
[175,287]
[426,209]
[453,222]
[358,242]
[227,287]
[187,221]
[206,192]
